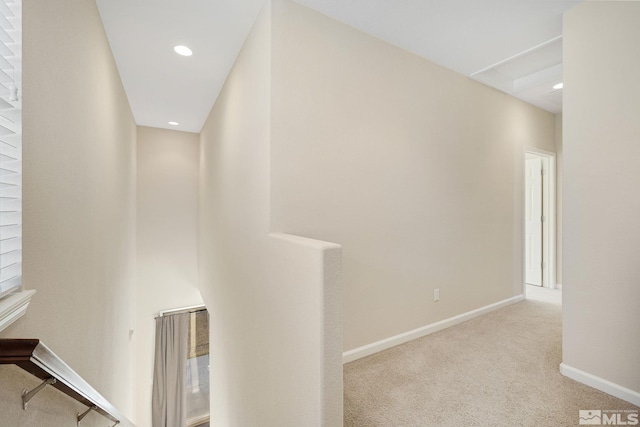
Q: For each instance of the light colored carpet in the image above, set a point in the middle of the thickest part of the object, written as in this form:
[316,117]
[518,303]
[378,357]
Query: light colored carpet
[500,369]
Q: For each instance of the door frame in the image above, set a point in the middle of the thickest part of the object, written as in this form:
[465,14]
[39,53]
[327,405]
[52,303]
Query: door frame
[548,211]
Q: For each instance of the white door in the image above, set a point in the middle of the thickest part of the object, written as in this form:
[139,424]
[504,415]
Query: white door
[533,221]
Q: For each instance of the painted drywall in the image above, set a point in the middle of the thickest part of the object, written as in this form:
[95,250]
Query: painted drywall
[79,162]
[304,323]
[274,300]
[234,212]
[49,407]
[601,280]
[559,188]
[414,169]
[167,241]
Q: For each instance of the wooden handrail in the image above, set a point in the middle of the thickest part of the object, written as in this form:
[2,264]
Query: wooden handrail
[36,358]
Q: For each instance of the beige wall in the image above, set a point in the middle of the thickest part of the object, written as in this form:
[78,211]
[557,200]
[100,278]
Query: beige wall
[415,170]
[559,189]
[234,212]
[274,300]
[50,407]
[167,225]
[601,283]
[79,199]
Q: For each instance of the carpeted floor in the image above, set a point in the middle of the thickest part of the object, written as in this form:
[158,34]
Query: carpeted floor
[500,369]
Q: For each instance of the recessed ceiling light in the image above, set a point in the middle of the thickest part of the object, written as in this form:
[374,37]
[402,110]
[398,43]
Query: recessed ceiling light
[558,86]
[183,50]
[174,123]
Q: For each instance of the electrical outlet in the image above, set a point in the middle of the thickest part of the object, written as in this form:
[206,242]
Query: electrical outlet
[436,294]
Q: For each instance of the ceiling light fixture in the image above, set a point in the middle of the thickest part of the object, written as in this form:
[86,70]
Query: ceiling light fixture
[174,123]
[183,50]
[558,86]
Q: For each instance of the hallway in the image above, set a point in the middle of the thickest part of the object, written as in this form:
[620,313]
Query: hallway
[500,369]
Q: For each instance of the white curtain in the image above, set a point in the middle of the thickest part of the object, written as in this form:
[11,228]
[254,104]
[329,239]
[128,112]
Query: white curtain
[169,408]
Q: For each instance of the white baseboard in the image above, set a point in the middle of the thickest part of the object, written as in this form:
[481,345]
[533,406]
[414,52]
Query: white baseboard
[559,286]
[600,384]
[369,349]
[13,307]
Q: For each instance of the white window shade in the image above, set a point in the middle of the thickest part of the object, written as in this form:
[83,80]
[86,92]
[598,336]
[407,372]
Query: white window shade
[10,146]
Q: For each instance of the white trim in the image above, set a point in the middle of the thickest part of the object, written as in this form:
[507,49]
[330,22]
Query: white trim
[517,55]
[550,212]
[13,307]
[601,384]
[559,286]
[369,349]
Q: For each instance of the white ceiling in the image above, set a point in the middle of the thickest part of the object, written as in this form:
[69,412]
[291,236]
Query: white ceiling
[161,85]
[512,45]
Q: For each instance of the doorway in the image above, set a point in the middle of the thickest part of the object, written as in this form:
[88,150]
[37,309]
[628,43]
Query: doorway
[539,218]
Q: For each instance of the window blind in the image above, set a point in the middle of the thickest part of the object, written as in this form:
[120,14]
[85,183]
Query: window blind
[10,146]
